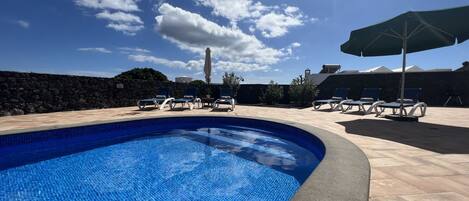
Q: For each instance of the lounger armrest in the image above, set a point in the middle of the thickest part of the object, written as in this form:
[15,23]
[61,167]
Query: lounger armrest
[374,106]
[166,101]
[422,106]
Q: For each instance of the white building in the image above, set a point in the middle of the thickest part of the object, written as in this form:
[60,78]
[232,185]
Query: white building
[331,69]
[379,69]
[183,79]
[412,68]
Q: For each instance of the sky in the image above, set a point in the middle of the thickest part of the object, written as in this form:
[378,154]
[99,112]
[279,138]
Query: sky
[258,39]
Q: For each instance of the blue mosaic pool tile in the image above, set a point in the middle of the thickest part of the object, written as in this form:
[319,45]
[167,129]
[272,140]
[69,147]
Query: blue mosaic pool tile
[150,160]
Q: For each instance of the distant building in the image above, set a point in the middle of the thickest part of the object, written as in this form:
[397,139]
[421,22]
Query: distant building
[465,67]
[330,68]
[326,71]
[413,68]
[379,69]
[183,79]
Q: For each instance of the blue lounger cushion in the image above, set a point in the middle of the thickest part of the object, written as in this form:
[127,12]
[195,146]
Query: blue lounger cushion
[152,101]
[362,101]
[328,101]
[183,100]
[396,105]
[359,103]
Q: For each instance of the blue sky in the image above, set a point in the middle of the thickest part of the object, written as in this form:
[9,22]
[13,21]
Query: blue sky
[261,40]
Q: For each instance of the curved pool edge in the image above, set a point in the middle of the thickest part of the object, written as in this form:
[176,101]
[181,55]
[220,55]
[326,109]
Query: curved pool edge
[343,173]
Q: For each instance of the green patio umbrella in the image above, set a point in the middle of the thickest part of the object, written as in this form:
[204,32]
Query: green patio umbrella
[410,32]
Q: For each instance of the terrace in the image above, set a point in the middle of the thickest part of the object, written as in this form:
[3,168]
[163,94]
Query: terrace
[428,160]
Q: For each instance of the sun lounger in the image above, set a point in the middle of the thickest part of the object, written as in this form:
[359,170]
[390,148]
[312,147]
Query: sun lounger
[411,100]
[190,99]
[336,101]
[159,101]
[226,98]
[370,97]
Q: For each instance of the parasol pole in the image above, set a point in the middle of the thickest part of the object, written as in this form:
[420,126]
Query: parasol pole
[404,52]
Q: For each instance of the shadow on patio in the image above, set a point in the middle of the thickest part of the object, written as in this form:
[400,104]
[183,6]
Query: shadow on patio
[432,137]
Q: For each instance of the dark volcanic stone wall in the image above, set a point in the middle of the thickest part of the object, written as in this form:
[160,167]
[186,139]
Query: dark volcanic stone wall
[38,93]
[24,93]
[435,85]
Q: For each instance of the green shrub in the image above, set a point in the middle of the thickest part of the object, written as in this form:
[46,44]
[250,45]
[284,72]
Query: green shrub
[232,81]
[302,91]
[272,94]
[142,74]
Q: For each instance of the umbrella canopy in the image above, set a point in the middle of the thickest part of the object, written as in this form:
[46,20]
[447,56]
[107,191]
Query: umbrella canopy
[208,65]
[422,30]
[410,32]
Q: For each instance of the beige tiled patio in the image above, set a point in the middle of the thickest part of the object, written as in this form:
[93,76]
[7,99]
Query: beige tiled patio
[410,161]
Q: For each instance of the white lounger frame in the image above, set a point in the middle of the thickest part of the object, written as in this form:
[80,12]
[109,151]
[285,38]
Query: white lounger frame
[334,106]
[361,107]
[420,105]
[191,104]
[232,104]
[158,106]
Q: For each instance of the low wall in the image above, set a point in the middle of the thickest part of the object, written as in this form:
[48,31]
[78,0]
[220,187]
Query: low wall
[25,93]
[435,85]
[38,93]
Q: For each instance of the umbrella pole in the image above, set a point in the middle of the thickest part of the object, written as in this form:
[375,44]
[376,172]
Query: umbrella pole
[404,57]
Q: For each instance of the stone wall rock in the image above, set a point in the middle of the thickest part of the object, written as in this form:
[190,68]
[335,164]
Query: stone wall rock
[26,93]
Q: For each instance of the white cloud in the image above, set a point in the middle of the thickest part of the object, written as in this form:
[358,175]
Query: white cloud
[291,10]
[296,44]
[257,9]
[192,32]
[192,64]
[132,50]
[127,29]
[232,50]
[288,51]
[233,10]
[198,64]
[237,66]
[314,20]
[272,21]
[123,5]
[119,17]
[252,29]
[23,23]
[126,23]
[276,24]
[91,73]
[120,20]
[95,49]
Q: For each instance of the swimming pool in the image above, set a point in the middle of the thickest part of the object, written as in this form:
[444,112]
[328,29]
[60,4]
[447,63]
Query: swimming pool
[177,158]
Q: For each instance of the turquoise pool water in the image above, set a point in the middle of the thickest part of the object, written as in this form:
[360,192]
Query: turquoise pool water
[224,162]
